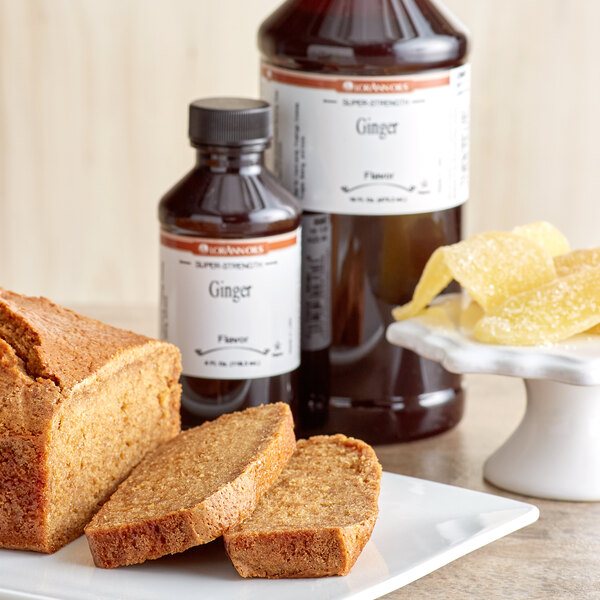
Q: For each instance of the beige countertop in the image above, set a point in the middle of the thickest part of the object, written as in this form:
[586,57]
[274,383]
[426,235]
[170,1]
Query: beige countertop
[556,557]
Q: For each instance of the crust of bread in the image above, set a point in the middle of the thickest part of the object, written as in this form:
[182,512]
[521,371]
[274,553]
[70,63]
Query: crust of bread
[134,538]
[57,344]
[56,367]
[266,545]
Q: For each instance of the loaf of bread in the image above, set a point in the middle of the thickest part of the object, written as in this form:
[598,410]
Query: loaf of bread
[317,517]
[80,404]
[194,487]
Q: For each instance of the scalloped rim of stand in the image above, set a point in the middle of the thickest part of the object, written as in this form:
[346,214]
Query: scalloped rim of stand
[575,361]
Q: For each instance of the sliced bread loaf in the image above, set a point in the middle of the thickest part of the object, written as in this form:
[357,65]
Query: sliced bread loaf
[80,404]
[317,517]
[194,487]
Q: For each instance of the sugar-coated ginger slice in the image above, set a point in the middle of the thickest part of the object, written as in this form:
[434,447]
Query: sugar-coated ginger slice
[469,317]
[491,266]
[553,312]
[435,277]
[442,316]
[576,260]
[494,266]
[546,235]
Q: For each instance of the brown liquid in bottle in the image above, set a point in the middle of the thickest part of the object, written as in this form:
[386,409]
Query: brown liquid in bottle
[229,195]
[361,385]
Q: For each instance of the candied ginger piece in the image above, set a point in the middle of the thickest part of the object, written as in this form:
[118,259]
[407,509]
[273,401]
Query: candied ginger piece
[546,235]
[434,279]
[555,311]
[576,260]
[491,266]
[470,316]
[436,316]
[445,312]
[496,265]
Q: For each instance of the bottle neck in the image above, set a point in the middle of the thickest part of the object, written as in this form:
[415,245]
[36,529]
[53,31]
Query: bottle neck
[362,37]
[245,160]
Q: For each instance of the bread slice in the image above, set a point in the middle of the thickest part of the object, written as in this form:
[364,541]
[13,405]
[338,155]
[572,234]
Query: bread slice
[80,404]
[317,518]
[193,488]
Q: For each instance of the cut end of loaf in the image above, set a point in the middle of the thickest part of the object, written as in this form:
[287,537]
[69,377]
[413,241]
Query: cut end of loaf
[80,404]
[318,516]
[53,483]
[108,427]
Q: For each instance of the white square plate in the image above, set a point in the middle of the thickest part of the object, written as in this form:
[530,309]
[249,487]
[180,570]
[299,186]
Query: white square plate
[422,526]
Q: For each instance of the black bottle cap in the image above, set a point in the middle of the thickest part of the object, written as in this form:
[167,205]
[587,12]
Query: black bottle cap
[230,122]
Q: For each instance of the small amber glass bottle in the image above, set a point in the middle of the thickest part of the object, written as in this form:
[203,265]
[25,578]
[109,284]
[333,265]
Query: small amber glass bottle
[230,266]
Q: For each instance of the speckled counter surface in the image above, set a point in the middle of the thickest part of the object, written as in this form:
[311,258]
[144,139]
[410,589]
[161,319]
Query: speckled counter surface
[558,557]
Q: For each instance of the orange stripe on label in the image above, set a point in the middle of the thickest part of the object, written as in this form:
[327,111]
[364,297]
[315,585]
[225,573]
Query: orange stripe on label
[227,249]
[347,85]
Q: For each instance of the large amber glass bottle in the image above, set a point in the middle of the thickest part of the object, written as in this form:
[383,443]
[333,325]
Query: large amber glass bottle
[371,103]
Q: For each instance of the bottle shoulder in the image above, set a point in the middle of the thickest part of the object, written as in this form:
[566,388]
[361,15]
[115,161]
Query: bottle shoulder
[362,37]
[229,205]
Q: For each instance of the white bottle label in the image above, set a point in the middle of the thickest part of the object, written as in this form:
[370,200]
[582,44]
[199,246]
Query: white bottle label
[371,145]
[232,306]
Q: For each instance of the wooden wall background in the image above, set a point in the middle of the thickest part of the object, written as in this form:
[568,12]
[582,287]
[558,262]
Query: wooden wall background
[93,97]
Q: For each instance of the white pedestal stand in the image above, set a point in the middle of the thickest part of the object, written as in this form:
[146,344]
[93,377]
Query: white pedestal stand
[555,451]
